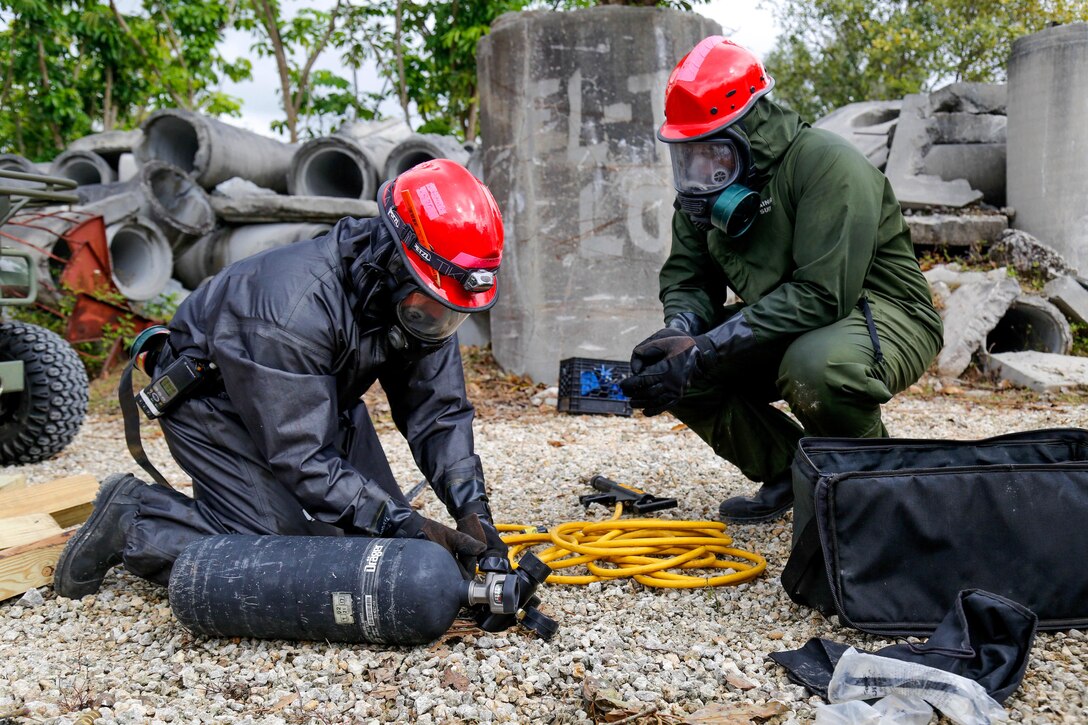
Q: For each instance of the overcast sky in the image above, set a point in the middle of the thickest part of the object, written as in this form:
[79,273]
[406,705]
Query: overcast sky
[750,23]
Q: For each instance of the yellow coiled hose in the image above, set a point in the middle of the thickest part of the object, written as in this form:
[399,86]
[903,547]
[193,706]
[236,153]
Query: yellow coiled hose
[643,549]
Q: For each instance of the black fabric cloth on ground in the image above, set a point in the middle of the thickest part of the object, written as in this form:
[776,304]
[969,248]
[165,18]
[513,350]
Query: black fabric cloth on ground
[985,638]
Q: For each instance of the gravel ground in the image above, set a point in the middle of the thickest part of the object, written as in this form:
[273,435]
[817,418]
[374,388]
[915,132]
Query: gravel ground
[122,653]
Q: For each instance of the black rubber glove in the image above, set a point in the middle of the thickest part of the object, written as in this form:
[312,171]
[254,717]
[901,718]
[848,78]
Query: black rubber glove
[661,368]
[475,520]
[463,547]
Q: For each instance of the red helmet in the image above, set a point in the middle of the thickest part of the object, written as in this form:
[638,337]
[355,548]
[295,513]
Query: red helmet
[710,88]
[449,231]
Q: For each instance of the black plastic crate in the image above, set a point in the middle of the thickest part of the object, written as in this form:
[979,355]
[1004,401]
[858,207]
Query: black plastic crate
[593,386]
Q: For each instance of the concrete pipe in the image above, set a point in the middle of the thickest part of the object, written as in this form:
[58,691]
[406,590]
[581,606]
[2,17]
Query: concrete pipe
[83,167]
[227,245]
[1047,104]
[164,193]
[109,144]
[212,151]
[140,258]
[15,162]
[420,147]
[349,164]
[333,166]
[180,207]
[1031,323]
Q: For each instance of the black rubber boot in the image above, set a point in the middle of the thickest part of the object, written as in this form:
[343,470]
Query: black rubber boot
[96,547]
[771,501]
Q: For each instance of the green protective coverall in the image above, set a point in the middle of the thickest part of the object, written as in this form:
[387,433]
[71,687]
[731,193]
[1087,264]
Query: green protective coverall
[829,234]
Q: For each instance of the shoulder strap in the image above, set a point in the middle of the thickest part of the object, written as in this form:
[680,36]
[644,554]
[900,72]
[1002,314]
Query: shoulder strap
[132,426]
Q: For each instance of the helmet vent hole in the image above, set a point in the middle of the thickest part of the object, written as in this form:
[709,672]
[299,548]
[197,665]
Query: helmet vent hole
[752,90]
[731,93]
[714,111]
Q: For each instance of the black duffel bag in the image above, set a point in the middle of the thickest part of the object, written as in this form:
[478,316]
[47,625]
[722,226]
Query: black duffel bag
[887,531]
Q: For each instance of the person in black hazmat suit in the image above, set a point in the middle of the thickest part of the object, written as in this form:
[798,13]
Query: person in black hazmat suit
[278,441]
[835,317]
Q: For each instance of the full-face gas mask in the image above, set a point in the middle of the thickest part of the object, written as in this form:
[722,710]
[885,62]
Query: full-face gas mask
[420,324]
[709,176]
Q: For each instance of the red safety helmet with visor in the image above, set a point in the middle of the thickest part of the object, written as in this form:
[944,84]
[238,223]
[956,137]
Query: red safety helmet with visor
[712,87]
[449,234]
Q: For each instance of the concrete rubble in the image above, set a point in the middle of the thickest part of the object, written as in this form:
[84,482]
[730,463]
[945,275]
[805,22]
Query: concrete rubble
[186,194]
[1028,256]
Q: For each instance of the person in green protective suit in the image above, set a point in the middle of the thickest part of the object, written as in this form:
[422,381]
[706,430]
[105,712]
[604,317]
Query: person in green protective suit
[835,317]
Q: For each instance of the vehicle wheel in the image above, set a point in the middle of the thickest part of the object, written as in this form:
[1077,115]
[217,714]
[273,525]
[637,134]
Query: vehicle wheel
[38,422]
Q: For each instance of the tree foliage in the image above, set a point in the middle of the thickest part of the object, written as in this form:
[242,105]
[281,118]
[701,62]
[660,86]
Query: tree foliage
[76,66]
[834,52]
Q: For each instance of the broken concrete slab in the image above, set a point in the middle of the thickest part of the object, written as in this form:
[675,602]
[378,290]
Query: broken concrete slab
[1070,297]
[956,230]
[954,277]
[1031,258]
[867,125]
[923,192]
[1039,371]
[970,128]
[1031,323]
[981,164]
[970,314]
[914,136]
[257,208]
[970,98]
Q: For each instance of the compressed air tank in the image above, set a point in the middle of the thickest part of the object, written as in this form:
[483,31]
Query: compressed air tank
[1047,153]
[338,589]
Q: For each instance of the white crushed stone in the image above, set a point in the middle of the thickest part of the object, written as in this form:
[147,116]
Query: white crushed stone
[680,650]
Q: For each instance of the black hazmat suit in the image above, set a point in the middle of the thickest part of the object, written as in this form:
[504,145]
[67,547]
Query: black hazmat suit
[283,444]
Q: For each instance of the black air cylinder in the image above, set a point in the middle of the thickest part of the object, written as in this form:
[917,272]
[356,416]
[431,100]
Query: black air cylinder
[340,589]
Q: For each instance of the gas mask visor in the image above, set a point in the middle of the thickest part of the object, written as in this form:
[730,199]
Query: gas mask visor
[705,174]
[426,318]
[703,167]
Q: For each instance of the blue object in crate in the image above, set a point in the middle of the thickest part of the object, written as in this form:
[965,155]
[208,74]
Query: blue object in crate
[601,382]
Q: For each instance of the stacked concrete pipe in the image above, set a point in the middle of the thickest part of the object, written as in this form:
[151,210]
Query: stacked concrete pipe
[15,162]
[348,164]
[212,151]
[420,147]
[86,168]
[227,245]
[141,261]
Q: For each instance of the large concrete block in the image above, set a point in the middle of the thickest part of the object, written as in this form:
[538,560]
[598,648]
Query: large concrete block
[970,314]
[981,164]
[1048,155]
[956,230]
[970,128]
[970,98]
[569,107]
[914,136]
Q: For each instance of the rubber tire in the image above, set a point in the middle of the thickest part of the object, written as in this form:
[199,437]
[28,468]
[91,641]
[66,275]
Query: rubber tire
[39,422]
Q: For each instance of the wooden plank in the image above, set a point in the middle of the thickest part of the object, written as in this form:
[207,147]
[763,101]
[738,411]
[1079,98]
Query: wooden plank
[67,500]
[19,530]
[12,481]
[30,566]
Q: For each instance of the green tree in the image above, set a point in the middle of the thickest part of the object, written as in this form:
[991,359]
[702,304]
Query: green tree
[834,52]
[313,99]
[77,66]
[426,51]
